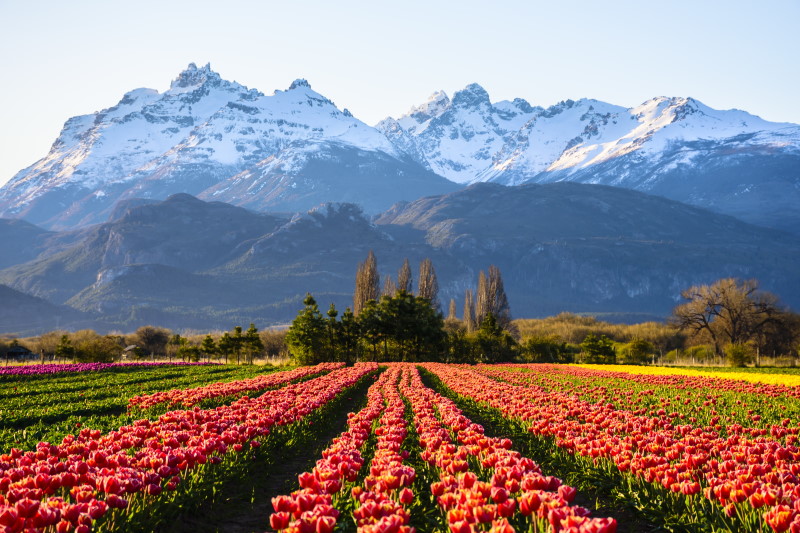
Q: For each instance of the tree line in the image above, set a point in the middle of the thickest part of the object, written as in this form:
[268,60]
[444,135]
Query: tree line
[154,343]
[389,321]
[729,321]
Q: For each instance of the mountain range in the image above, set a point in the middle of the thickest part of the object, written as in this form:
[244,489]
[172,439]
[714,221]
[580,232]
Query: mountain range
[212,204]
[189,263]
[289,151]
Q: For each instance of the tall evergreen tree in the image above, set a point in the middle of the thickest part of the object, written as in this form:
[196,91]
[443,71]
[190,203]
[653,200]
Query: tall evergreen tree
[306,335]
[349,335]
[332,328]
[238,343]
[252,343]
[209,347]
[226,346]
[428,285]
[367,283]
[404,277]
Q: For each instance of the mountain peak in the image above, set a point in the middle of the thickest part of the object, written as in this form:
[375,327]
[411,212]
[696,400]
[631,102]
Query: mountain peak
[299,82]
[434,106]
[193,76]
[470,96]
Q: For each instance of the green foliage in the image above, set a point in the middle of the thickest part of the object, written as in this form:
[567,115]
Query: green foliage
[495,345]
[739,354]
[489,344]
[226,346]
[399,327]
[598,350]
[349,337]
[65,350]
[546,349]
[89,347]
[574,328]
[208,347]
[47,407]
[252,343]
[307,334]
[636,352]
[402,327]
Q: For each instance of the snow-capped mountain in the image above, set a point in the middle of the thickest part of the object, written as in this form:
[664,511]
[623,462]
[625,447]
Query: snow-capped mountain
[458,138]
[729,161]
[291,150]
[196,135]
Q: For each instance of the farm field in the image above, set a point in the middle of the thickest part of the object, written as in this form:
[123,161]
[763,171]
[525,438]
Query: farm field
[398,447]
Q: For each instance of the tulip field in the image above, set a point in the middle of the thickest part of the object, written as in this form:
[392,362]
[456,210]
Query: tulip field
[398,447]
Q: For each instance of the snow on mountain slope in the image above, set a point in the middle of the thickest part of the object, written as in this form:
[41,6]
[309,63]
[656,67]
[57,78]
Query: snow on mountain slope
[457,138]
[199,132]
[469,139]
[729,161]
[220,140]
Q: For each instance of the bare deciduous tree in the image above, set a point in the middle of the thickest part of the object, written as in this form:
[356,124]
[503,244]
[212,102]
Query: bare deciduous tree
[482,299]
[404,277]
[729,311]
[367,283]
[389,287]
[491,298]
[469,311]
[427,285]
[451,312]
[498,301]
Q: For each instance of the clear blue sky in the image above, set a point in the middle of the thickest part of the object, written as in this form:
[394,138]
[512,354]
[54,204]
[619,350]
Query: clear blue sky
[59,59]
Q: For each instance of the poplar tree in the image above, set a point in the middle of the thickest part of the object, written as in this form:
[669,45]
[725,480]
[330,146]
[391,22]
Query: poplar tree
[469,311]
[498,300]
[492,298]
[451,312]
[367,283]
[427,285]
[238,342]
[389,287]
[481,299]
[404,277]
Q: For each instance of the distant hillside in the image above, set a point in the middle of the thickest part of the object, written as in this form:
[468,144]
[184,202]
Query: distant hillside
[23,315]
[184,262]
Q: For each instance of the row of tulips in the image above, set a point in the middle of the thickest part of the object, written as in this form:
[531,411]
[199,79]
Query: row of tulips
[386,492]
[49,407]
[310,509]
[193,396]
[38,369]
[516,492]
[513,492]
[67,487]
[747,483]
